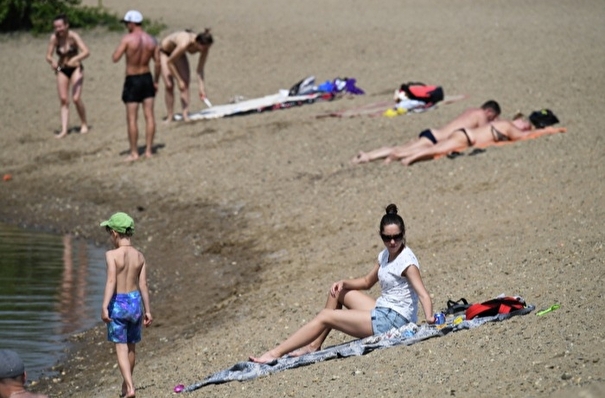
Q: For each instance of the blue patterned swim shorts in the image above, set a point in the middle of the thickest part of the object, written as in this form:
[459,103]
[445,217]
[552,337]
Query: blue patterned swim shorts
[126,313]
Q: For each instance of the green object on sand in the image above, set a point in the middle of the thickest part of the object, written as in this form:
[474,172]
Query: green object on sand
[549,309]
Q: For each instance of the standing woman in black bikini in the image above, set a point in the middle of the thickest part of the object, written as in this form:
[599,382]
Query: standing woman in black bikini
[71,50]
[175,66]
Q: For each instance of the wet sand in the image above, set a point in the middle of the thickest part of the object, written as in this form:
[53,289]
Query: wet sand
[246,221]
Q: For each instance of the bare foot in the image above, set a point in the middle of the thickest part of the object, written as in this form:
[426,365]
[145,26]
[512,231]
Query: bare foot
[265,358]
[303,351]
[361,157]
[148,154]
[83,129]
[130,394]
[168,119]
[61,134]
[131,158]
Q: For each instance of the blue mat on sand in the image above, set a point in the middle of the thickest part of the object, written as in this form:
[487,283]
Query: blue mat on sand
[249,370]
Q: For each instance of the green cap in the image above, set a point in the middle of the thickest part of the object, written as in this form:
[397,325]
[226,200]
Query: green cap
[120,222]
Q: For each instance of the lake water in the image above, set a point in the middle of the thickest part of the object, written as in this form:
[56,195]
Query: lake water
[50,287]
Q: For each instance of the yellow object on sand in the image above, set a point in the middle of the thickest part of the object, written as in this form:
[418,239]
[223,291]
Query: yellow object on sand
[392,112]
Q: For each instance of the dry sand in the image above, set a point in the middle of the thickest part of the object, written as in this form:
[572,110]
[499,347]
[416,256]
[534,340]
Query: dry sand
[247,221]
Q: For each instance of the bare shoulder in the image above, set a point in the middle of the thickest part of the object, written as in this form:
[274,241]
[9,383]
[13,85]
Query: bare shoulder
[74,35]
[152,38]
[141,257]
[111,254]
[149,39]
[128,38]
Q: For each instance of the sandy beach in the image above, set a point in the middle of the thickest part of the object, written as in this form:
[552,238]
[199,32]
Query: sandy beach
[247,221]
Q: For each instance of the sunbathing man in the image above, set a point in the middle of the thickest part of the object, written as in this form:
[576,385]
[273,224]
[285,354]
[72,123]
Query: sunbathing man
[471,118]
[496,133]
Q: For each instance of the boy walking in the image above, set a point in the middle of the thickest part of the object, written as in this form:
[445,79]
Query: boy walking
[126,300]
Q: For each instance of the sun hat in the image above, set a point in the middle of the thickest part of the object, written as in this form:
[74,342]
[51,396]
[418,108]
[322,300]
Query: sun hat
[10,364]
[119,222]
[133,16]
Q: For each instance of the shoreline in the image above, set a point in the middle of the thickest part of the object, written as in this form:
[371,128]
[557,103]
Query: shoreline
[247,221]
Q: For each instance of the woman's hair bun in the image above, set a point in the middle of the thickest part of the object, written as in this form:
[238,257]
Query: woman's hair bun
[391,209]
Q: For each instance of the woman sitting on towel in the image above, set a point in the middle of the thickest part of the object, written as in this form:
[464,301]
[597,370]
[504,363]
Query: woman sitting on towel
[175,65]
[397,271]
[69,70]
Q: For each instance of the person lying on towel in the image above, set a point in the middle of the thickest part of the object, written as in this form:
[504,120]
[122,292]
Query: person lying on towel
[495,133]
[469,119]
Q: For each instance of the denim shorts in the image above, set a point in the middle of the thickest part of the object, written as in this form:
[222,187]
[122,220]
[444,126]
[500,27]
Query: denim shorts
[384,319]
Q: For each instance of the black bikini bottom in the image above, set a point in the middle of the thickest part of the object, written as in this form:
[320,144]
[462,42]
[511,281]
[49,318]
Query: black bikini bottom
[69,70]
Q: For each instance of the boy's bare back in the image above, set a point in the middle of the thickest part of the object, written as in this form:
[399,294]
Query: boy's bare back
[129,264]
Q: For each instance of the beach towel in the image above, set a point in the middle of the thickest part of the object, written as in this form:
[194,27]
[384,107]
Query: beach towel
[280,100]
[391,108]
[407,335]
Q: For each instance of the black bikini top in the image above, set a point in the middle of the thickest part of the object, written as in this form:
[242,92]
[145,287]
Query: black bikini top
[71,51]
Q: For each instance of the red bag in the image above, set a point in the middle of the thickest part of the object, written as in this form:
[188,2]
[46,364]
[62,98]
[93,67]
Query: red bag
[499,305]
[421,92]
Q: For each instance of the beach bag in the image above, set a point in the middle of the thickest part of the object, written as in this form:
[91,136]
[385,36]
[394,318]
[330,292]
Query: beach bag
[455,307]
[498,305]
[422,92]
[543,118]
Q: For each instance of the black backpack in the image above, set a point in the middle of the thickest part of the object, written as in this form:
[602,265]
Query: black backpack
[543,118]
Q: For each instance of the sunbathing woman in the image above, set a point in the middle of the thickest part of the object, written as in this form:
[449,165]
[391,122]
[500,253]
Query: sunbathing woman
[397,271]
[69,70]
[495,133]
[175,65]
[470,118]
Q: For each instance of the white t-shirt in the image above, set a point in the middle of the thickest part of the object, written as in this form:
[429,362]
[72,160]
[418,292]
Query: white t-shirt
[397,293]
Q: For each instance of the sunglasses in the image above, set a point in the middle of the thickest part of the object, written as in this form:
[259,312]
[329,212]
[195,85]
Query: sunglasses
[388,238]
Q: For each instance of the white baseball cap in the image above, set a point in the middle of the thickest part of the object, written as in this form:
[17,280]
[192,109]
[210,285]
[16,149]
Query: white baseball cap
[133,16]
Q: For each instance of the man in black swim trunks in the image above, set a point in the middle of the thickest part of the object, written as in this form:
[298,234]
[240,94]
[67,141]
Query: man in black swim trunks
[140,87]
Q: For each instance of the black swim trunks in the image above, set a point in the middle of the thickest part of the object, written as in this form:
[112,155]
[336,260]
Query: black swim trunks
[428,134]
[137,88]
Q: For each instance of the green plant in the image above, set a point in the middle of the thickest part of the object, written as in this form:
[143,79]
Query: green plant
[37,15]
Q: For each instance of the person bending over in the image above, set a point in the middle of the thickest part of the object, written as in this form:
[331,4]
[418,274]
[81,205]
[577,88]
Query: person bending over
[173,50]
[398,272]
[470,118]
